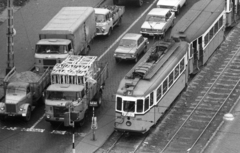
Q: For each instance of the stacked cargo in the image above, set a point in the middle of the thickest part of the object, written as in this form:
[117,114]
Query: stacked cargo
[74,70]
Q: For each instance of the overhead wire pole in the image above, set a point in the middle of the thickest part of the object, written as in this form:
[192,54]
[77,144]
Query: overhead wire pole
[10,33]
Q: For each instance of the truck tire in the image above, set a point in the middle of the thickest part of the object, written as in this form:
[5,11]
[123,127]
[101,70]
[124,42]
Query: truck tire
[139,3]
[99,100]
[28,115]
[119,21]
[83,121]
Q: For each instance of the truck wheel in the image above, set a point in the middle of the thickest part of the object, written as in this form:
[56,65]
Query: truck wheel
[99,100]
[140,3]
[119,21]
[28,115]
[83,121]
[3,117]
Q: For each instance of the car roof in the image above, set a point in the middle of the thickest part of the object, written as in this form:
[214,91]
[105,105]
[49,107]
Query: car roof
[159,11]
[133,36]
[101,11]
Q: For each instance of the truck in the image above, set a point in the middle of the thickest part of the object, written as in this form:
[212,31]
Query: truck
[77,82]
[69,32]
[23,91]
[107,17]
[136,2]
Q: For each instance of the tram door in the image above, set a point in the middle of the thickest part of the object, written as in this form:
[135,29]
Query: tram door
[232,11]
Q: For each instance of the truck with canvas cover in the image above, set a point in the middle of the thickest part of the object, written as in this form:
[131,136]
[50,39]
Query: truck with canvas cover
[107,17]
[77,81]
[23,91]
[69,32]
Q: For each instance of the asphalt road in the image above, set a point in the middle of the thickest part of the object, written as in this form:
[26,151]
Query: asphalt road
[37,136]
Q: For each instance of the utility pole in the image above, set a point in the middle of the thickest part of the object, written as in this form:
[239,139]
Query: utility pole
[10,34]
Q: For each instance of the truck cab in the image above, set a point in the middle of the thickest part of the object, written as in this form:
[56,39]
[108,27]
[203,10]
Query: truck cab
[48,52]
[104,22]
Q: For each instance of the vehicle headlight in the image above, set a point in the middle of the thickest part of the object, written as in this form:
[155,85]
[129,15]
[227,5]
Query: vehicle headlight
[48,116]
[22,109]
[114,54]
[103,29]
[2,108]
[133,55]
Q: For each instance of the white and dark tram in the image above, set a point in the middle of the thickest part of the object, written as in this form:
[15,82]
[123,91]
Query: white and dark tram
[150,87]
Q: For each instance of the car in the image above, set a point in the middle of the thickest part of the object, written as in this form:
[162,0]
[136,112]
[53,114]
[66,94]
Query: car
[157,22]
[130,47]
[174,5]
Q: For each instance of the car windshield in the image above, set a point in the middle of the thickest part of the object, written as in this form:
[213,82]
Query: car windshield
[51,49]
[128,43]
[100,18]
[165,6]
[152,18]
[61,95]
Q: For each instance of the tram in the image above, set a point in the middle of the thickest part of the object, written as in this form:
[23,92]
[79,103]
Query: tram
[149,88]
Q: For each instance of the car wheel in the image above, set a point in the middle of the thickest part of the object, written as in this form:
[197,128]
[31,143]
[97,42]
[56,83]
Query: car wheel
[117,60]
[145,49]
[136,59]
[119,21]
[140,3]
[109,32]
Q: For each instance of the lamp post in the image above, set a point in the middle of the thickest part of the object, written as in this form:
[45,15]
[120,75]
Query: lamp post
[10,34]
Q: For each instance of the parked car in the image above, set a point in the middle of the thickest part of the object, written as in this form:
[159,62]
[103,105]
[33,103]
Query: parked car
[130,47]
[174,5]
[157,22]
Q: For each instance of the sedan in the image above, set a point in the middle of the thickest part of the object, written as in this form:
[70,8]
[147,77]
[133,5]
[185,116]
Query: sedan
[130,47]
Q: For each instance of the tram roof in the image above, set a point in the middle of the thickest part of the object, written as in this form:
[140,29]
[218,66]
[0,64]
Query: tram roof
[198,19]
[161,69]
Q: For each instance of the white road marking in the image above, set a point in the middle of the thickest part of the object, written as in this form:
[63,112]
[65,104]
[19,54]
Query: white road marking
[39,120]
[153,3]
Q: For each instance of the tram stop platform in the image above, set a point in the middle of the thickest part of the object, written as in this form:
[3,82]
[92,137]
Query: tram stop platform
[227,136]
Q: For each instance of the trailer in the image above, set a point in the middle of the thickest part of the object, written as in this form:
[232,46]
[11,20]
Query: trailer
[69,32]
[23,91]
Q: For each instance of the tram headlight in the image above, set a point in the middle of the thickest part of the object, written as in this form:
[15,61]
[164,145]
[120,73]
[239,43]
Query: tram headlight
[128,123]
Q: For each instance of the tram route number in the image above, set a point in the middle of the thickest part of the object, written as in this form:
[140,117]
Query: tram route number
[93,104]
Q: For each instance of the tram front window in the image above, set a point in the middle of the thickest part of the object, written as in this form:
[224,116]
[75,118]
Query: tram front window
[129,106]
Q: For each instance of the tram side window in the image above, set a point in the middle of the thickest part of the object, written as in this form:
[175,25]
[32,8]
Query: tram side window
[119,103]
[129,106]
[139,105]
[165,85]
[181,65]
[206,38]
[151,99]
[216,27]
[211,33]
[170,79]
[221,22]
[176,71]
[146,104]
[159,92]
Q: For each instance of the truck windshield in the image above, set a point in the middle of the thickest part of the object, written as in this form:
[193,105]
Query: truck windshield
[128,43]
[60,95]
[51,49]
[100,18]
[15,91]
[152,18]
